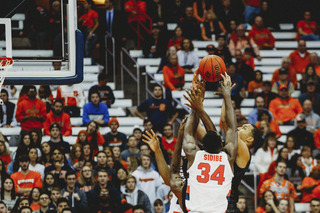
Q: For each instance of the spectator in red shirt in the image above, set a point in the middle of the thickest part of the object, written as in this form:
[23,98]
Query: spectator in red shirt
[168,140]
[261,35]
[309,183]
[57,115]
[176,39]
[4,154]
[307,28]
[300,57]
[136,10]
[31,112]
[292,76]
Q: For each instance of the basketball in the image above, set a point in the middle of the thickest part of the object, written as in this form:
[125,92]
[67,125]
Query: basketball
[211,67]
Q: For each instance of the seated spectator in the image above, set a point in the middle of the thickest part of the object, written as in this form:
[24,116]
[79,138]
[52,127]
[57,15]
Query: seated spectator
[86,180]
[312,119]
[268,200]
[232,31]
[115,138]
[102,164]
[290,144]
[243,69]
[34,159]
[4,155]
[309,183]
[105,92]
[242,204]
[177,9]
[31,112]
[45,154]
[176,39]
[266,154]
[200,8]
[315,204]
[261,35]
[11,90]
[283,76]
[267,94]
[132,150]
[73,99]
[248,57]
[8,195]
[227,13]
[283,157]
[296,173]
[285,108]
[132,192]
[94,136]
[241,41]
[292,76]
[188,59]
[311,94]
[56,140]
[264,115]
[49,183]
[308,162]
[62,203]
[55,195]
[300,57]
[168,140]
[301,135]
[154,45]
[57,115]
[145,172]
[76,156]
[45,95]
[259,106]
[95,111]
[44,201]
[158,206]
[25,180]
[165,59]
[255,86]
[252,8]
[133,162]
[222,50]
[278,184]
[157,11]
[211,27]
[34,199]
[283,206]
[173,76]
[309,76]
[267,15]
[307,28]
[137,132]
[7,111]
[314,61]
[189,25]
[265,130]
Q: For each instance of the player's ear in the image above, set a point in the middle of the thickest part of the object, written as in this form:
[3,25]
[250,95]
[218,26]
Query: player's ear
[250,140]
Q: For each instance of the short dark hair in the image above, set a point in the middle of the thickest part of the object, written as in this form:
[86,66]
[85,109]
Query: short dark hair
[256,134]
[212,142]
[25,207]
[146,121]
[315,199]
[167,124]
[137,129]
[156,85]
[4,91]
[58,101]
[94,92]
[266,83]
[55,125]
[70,172]
[101,152]
[44,193]
[158,202]
[138,207]
[262,112]
[277,163]
[61,200]
[66,209]
[1,202]
[102,170]
[24,158]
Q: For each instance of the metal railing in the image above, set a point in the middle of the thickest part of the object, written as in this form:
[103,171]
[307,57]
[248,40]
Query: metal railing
[112,52]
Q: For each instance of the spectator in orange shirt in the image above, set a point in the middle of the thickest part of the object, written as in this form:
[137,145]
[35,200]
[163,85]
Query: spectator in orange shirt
[307,28]
[292,75]
[316,136]
[168,140]
[25,180]
[262,36]
[285,108]
[57,115]
[300,57]
[94,136]
[31,112]
[4,155]
[255,86]
[314,61]
[283,76]
[309,183]
[211,27]
[280,186]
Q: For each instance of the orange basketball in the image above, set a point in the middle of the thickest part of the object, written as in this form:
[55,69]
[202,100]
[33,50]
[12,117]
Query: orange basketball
[211,67]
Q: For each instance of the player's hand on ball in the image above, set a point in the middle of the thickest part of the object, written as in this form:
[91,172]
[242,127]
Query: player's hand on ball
[151,139]
[195,99]
[226,85]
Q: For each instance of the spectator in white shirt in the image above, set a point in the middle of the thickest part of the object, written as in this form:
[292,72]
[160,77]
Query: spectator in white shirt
[188,59]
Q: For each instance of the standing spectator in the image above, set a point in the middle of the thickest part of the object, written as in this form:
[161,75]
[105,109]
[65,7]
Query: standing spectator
[266,154]
[73,99]
[106,93]
[312,95]
[315,205]
[188,59]
[301,135]
[95,111]
[282,187]
[168,140]
[227,13]
[261,35]
[31,112]
[57,115]
[252,8]
[177,9]
[300,57]
[176,39]
[89,21]
[242,68]
[292,75]
[56,140]
[62,203]
[173,76]
[307,28]
[283,76]
[7,111]
[200,8]
[267,95]
[77,199]
[242,204]
[157,11]
[189,25]
[115,138]
[3,207]
[25,180]
[144,173]
[132,150]
[312,119]
[211,27]
[154,45]
[241,41]
[255,86]
[34,199]
[309,183]
[285,108]
[45,95]
[259,105]
[309,76]
[135,196]
[158,109]
[222,50]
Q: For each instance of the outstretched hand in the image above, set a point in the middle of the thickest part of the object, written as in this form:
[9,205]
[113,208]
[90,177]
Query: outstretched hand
[226,85]
[152,140]
[195,99]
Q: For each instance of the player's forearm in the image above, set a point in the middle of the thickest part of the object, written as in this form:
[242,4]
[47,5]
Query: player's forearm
[163,167]
[176,158]
[229,113]
[191,124]
[208,124]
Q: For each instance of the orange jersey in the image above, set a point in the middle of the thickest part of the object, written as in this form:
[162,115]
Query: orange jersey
[63,121]
[292,76]
[285,110]
[173,77]
[284,190]
[316,136]
[29,181]
[255,87]
[307,182]
[299,63]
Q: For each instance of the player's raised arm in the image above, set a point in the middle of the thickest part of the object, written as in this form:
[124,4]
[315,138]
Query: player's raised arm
[231,141]
[151,139]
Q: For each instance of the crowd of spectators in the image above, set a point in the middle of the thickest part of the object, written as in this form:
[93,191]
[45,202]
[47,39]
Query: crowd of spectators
[116,173]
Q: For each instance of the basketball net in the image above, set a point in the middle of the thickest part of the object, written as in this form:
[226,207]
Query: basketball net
[5,64]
